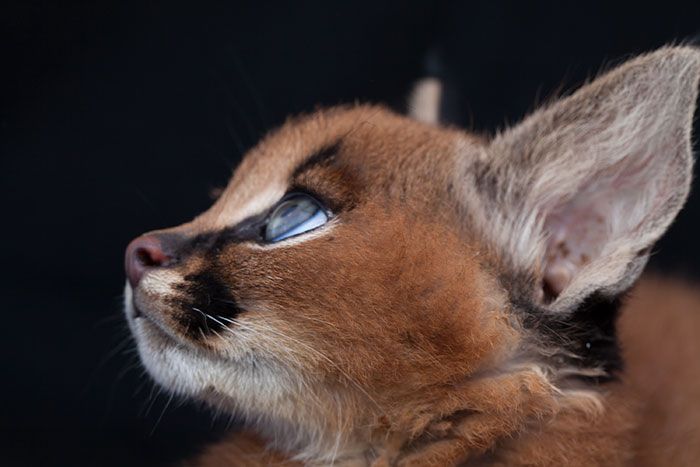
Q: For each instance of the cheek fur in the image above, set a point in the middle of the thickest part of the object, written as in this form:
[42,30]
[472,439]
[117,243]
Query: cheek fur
[371,302]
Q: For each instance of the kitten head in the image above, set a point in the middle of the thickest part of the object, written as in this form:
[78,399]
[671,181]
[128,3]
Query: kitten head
[360,263]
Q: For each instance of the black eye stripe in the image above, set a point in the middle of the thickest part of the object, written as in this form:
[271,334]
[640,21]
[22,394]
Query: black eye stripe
[249,229]
[246,230]
[208,243]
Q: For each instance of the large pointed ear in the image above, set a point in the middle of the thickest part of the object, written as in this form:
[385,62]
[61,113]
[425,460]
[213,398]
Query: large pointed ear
[576,194]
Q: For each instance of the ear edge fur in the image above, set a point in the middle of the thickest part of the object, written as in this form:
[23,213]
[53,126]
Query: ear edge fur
[679,68]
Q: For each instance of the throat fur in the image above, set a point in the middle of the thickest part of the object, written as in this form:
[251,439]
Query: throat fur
[515,418]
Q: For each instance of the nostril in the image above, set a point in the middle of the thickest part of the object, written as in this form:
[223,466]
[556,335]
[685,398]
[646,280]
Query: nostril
[151,257]
[142,254]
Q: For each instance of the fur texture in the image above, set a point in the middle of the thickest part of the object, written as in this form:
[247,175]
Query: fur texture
[460,306]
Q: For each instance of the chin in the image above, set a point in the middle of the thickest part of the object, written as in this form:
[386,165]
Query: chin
[240,383]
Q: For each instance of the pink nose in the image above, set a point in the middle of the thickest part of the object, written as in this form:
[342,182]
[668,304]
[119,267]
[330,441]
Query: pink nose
[142,254]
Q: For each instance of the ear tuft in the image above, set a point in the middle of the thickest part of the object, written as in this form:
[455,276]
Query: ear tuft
[424,103]
[580,190]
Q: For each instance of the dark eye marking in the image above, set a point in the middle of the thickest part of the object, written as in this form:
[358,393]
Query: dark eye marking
[253,227]
[320,157]
[249,229]
[211,243]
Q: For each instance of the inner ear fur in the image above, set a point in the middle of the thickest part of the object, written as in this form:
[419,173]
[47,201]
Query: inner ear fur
[577,193]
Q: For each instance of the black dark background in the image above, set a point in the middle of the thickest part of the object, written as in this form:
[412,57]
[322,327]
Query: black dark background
[117,118]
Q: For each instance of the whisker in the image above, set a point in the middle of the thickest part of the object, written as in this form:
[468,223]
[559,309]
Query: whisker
[215,320]
[229,96]
[255,97]
[226,319]
[155,392]
[206,326]
[162,412]
[325,358]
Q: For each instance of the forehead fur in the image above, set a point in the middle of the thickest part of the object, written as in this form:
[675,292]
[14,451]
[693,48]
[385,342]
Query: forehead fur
[389,153]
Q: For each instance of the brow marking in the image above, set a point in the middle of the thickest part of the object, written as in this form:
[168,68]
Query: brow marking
[322,156]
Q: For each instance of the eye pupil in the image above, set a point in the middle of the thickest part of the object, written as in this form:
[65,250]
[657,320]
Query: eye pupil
[293,216]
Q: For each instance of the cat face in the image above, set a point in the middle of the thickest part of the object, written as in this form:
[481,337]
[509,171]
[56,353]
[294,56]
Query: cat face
[360,262]
[382,289]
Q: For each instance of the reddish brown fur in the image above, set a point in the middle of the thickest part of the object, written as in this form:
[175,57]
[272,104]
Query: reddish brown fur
[662,350]
[660,324]
[406,337]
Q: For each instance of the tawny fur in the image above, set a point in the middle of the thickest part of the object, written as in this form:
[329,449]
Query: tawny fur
[651,420]
[397,335]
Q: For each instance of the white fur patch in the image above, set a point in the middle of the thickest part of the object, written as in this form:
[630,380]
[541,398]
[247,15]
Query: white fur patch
[159,282]
[271,393]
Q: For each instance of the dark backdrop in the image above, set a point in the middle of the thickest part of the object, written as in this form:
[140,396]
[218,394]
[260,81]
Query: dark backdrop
[117,118]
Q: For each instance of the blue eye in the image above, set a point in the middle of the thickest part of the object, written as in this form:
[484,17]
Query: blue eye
[293,216]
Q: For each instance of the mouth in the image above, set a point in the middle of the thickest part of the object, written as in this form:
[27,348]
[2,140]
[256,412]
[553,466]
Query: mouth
[135,314]
[148,321]
[187,312]
[147,327]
